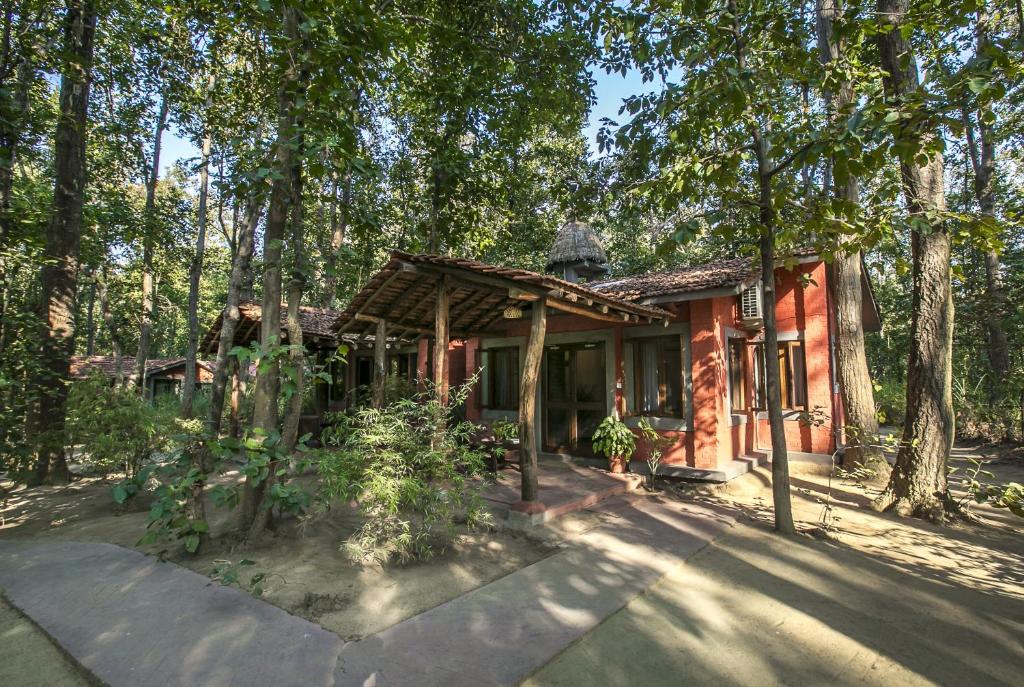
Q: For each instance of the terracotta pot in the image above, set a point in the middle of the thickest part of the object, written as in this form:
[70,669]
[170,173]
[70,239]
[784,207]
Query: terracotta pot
[616,464]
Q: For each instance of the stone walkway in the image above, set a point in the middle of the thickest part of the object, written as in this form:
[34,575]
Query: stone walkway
[133,621]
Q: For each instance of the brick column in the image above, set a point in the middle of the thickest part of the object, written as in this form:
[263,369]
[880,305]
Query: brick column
[711,440]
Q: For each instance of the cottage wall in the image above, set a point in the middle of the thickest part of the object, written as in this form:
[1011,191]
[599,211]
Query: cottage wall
[714,436]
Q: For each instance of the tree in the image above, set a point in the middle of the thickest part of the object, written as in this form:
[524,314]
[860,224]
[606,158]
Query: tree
[918,483]
[721,146]
[846,270]
[63,235]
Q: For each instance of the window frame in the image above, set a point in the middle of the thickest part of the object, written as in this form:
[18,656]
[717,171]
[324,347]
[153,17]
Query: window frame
[791,383]
[738,373]
[487,401]
[638,375]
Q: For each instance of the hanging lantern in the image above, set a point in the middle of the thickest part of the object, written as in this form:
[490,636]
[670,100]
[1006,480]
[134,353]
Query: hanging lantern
[512,312]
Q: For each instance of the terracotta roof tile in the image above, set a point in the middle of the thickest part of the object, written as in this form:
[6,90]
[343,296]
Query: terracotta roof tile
[83,365]
[715,275]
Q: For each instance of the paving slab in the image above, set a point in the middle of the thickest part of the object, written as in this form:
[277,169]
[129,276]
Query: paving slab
[502,632]
[562,487]
[131,620]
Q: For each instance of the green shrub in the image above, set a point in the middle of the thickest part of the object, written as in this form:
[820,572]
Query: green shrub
[655,447]
[410,467]
[890,402]
[117,429]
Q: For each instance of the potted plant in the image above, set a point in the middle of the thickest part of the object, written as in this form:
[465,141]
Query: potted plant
[614,440]
[506,435]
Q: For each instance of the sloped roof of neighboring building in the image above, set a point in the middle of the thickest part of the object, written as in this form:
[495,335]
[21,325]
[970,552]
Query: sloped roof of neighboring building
[111,366]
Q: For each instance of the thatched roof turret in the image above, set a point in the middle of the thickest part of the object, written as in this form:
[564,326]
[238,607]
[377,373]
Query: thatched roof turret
[577,252]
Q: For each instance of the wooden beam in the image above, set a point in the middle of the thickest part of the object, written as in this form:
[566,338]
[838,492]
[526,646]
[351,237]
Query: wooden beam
[499,283]
[576,310]
[441,340]
[380,289]
[528,402]
[379,362]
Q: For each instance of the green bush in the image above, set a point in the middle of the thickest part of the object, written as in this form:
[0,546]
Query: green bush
[890,402]
[410,467]
[117,429]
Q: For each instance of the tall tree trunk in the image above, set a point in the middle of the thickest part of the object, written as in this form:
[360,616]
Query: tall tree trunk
[202,459]
[196,270]
[149,221]
[847,291]
[63,237]
[14,110]
[340,213]
[918,483]
[268,383]
[773,386]
[90,317]
[983,160]
[108,317]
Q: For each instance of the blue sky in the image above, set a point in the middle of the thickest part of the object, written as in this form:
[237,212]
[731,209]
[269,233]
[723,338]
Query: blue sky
[609,91]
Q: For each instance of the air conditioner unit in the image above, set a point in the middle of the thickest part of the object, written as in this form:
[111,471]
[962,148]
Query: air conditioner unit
[751,307]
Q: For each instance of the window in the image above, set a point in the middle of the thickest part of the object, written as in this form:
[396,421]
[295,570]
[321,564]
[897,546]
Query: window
[792,375]
[501,378]
[404,365]
[738,374]
[658,369]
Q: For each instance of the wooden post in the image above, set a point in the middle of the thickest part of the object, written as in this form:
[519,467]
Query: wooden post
[380,372]
[528,403]
[441,340]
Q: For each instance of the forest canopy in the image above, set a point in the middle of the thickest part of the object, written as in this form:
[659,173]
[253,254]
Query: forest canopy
[325,135]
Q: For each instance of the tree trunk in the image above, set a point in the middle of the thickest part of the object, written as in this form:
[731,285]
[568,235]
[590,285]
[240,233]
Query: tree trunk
[13,116]
[90,318]
[296,285]
[63,237]
[195,272]
[268,384]
[108,317]
[846,280]
[918,483]
[984,163]
[202,458]
[149,228]
[773,386]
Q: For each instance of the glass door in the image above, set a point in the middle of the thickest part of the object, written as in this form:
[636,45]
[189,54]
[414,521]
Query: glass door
[573,396]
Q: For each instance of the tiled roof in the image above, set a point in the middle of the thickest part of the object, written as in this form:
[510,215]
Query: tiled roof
[84,365]
[722,274]
[715,275]
[314,321]
[319,323]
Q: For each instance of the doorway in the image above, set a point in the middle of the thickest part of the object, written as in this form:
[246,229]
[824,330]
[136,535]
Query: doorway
[574,396]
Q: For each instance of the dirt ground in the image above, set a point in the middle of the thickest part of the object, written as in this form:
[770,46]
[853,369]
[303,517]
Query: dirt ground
[877,600]
[880,601]
[306,572]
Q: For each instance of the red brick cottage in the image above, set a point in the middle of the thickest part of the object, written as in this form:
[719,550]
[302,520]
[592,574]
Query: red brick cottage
[683,348]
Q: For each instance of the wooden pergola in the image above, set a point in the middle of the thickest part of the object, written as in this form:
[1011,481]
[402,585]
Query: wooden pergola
[453,298]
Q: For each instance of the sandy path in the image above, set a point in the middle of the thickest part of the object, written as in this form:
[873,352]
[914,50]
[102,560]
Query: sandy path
[884,602]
